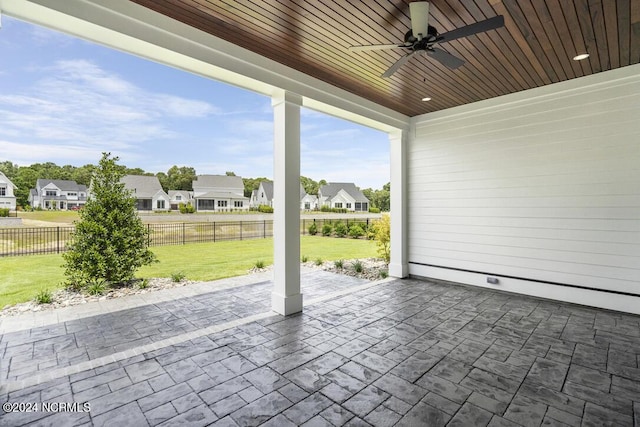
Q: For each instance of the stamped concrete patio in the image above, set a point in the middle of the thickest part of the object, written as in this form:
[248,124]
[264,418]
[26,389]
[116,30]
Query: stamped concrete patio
[394,352]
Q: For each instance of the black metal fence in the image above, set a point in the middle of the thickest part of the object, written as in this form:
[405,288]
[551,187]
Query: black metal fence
[48,240]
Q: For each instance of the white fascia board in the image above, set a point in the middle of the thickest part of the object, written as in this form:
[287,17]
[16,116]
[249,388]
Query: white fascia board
[8,182]
[132,28]
[161,194]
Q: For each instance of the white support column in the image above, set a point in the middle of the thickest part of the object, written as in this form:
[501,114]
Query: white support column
[286,297]
[399,267]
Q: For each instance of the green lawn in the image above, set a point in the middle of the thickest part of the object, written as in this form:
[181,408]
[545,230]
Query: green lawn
[66,217]
[23,277]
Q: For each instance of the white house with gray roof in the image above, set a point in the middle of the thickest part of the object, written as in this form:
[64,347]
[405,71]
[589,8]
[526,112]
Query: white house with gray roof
[219,193]
[7,197]
[343,195]
[148,193]
[308,202]
[180,196]
[59,194]
[264,196]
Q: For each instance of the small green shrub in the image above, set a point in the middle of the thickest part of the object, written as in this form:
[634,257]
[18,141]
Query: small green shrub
[374,210]
[143,284]
[356,231]
[4,212]
[339,264]
[186,208]
[43,297]
[357,266]
[313,229]
[325,208]
[265,209]
[339,210]
[304,258]
[382,234]
[97,287]
[327,229]
[370,233]
[341,229]
[259,264]
[384,274]
[178,276]
[318,262]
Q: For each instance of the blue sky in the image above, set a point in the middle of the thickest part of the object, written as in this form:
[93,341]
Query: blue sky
[66,101]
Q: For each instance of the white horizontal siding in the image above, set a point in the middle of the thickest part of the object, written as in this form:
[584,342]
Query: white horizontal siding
[542,185]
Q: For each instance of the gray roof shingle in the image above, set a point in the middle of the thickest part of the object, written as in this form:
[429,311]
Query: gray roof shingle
[142,186]
[331,189]
[62,184]
[267,186]
[268,190]
[218,181]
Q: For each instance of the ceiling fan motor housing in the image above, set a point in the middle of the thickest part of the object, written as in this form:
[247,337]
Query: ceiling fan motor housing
[432,34]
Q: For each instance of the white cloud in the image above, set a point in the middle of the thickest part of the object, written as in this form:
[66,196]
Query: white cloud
[78,103]
[75,109]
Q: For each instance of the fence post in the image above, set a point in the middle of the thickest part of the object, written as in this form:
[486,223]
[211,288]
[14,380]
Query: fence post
[148,234]
[240,230]
[264,228]
[214,231]
[58,238]
[183,233]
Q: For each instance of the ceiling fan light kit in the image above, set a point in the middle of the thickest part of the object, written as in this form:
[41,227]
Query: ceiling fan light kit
[423,37]
[419,12]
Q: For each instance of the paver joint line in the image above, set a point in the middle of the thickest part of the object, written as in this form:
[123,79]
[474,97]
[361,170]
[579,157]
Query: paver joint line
[386,353]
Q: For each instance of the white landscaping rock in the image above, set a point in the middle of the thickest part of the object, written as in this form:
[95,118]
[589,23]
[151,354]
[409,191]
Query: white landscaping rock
[66,298]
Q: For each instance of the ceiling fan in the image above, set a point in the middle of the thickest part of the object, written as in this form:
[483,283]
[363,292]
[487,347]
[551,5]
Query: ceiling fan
[422,37]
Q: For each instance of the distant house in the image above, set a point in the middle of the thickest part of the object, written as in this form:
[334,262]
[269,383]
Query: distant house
[7,197]
[60,194]
[253,200]
[219,193]
[343,195]
[179,196]
[148,193]
[308,202]
[265,194]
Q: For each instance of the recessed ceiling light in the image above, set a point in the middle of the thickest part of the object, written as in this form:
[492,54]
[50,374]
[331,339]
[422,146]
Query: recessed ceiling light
[581,57]
[426,98]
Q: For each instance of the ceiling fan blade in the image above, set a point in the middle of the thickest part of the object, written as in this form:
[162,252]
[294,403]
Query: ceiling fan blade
[445,58]
[399,63]
[373,47]
[419,12]
[469,30]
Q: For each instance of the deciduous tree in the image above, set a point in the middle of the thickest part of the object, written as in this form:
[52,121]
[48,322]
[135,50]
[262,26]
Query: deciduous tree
[382,236]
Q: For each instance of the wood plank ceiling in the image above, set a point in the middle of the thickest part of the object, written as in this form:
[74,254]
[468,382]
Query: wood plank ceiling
[534,48]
